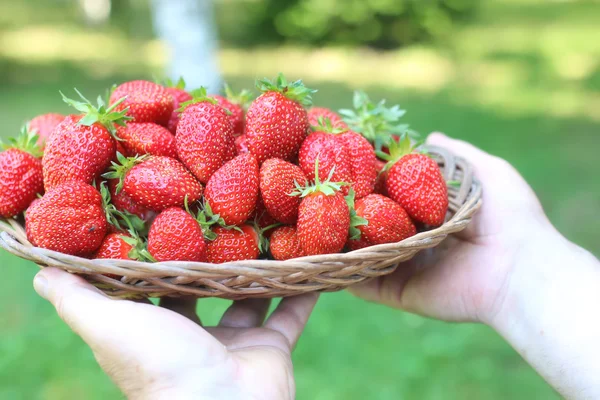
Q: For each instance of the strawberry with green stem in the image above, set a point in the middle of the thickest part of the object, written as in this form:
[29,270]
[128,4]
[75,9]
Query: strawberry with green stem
[21,175]
[82,146]
[204,136]
[236,104]
[276,122]
[415,181]
[316,114]
[145,101]
[155,182]
[378,123]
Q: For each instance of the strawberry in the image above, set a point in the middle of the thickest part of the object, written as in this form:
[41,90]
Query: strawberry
[21,176]
[241,144]
[362,163]
[387,222]
[180,96]
[233,245]
[315,114]
[276,122]
[323,217]
[378,123]
[114,246]
[278,180]
[261,216]
[155,182]
[285,243]
[204,137]
[232,192]
[357,244]
[69,219]
[176,236]
[82,146]
[145,101]
[381,177]
[44,124]
[416,183]
[139,138]
[124,203]
[332,155]
[236,105]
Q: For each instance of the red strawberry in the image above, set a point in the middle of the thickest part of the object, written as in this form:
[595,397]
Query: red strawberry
[416,183]
[362,163]
[236,105]
[139,138]
[232,191]
[69,219]
[233,245]
[387,222]
[204,138]
[285,243]
[261,216]
[146,101]
[81,147]
[278,180]
[323,218]
[124,203]
[44,124]
[241,144]
[155,182]
[114,247]
[180,96]
[360,243]
[316,114]
[332,156]
[176,236]
[276,123]
[381,177]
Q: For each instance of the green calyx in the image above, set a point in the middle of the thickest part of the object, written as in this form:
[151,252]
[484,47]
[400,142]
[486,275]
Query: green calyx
[375,121]
[243,98]
[168,82]
[355,221]
[139,251]
[327,187]
[107,117]
[122,220]
[119,169]
[397,150]
[26,141]
[295,91]
[325,125]
[198,96]
[207,219]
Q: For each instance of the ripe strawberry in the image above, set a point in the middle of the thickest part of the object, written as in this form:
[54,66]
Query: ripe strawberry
[416,183]
[362,163]
[278,180]
[276,123]
[387,220]
[21,176]
[146,101]
[124,203]
[180,96]
[114,247]
[357,244]
[176,236]
[332,155]
[69,219]
[204,138]
[233,245]
[381,177]
[262,217]
[323,217]
[232,191]
[241,145]
[316,114]
[285,243]
[236,105]
[139,138]
[81,147]
[44,124]
[155,182]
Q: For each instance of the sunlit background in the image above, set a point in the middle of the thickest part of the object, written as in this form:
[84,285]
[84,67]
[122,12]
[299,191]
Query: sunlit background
[519,78]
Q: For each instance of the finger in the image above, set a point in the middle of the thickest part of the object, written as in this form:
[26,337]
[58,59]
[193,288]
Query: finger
[248,313]
[475,156]
[291,316]
[182,305]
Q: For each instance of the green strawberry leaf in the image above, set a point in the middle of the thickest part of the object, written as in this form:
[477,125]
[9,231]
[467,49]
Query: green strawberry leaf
[295,91]
[26,141]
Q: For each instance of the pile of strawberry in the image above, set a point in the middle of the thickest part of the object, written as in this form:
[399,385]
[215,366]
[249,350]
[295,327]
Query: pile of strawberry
[155,173]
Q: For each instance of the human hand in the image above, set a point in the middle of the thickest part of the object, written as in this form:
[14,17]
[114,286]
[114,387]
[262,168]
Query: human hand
[466,277]
[154,352]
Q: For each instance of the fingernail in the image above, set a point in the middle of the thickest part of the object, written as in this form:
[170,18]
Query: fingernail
[40,284]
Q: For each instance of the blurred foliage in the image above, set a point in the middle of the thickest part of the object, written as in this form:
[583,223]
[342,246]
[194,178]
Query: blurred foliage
[374,23]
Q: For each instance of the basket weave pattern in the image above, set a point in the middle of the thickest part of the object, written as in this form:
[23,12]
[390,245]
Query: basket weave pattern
[260,278]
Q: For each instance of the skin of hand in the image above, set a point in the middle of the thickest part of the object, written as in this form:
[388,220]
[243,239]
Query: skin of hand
[154,352]
[512,270]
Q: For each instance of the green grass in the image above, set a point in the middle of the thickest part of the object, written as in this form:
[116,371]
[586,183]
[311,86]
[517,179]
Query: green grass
[352,349]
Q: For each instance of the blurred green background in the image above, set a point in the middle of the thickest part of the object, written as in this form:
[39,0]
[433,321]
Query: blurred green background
[518,78]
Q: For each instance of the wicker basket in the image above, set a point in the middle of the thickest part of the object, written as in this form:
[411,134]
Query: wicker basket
[260,278]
